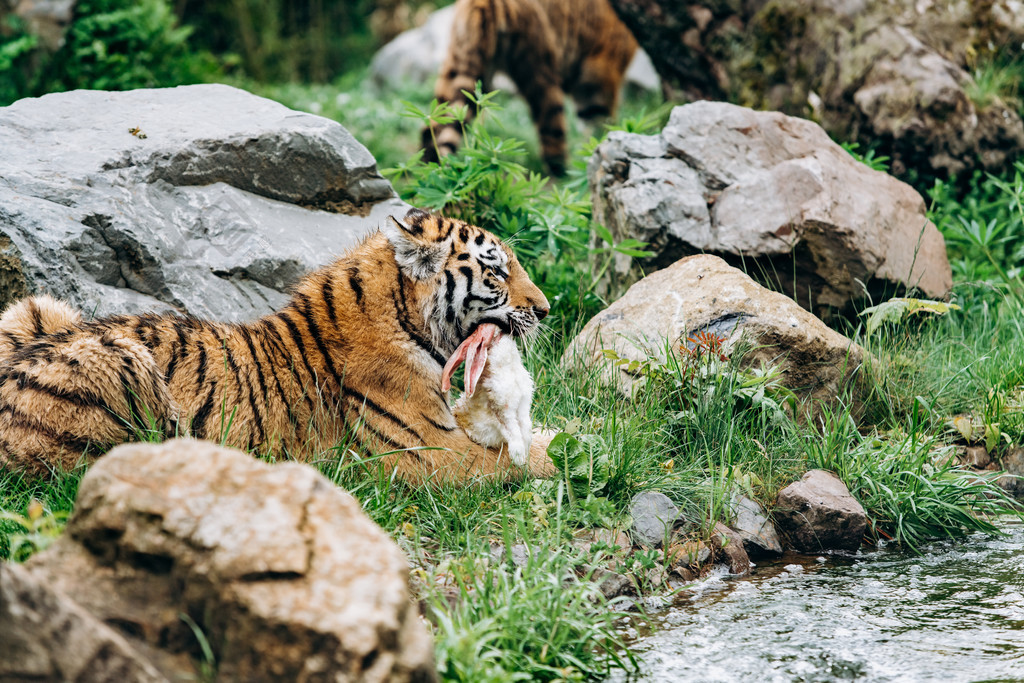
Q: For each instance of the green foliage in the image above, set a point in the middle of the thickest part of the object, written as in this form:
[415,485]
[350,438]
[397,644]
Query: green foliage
[898,308]
[487,183]
[37,529]
[284,41]
[984,230]
[997,77]
[536,622]
[910,492]
[869,158]
[110,45]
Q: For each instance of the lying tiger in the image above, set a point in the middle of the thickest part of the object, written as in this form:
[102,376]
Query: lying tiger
[359,352]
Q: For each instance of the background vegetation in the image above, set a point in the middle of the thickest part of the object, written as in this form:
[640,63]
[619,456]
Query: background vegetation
[701,428]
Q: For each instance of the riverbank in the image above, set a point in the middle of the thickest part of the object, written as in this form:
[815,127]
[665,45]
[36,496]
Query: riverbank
[503,571]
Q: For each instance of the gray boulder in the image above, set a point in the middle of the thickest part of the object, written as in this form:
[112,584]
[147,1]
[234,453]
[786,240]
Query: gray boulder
[772,193]
[654,517]
[754,528]
[415,57]
[705,294]
[203,199]
[818,513]
[283,573]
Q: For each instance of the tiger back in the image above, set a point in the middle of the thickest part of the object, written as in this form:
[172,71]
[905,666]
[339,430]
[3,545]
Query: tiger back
[549,48]
[356,356]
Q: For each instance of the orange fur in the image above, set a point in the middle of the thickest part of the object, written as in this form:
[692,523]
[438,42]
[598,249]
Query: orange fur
[359,350]
[550,48]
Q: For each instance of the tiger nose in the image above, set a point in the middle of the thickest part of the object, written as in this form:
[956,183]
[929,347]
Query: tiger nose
[540,312]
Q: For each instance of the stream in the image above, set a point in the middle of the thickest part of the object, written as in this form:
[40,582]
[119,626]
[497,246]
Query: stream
[954,613]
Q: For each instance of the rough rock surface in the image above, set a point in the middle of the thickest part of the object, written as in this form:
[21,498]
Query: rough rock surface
[212,206]
[705,294]
[654,516]
[282,572]
[774,193]
[415,56]
[1013,464]
[818,513]
[895,75]
[755,529]
[729,547]
[45,636]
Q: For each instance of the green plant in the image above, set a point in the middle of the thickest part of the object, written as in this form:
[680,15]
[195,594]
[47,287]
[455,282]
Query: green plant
[538,621]
[37,529]
[110,45]
[895,310]
[909,491]
[868,158]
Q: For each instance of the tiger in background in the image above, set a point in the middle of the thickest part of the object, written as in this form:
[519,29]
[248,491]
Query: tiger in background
[548,48]
[357,353]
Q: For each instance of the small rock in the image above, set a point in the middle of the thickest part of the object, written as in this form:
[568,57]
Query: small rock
[655,577]
[520,555]
[612,584]
[818,513]
[752,525]
[976,457]
[730,545]
[654,516]
[689,554]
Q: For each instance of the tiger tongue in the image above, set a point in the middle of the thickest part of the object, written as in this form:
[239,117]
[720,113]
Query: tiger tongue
[474,352]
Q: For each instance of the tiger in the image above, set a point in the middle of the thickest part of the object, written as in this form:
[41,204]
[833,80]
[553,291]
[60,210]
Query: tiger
[548,48]
[357,353]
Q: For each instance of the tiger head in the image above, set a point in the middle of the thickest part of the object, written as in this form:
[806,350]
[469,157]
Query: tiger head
[470,276]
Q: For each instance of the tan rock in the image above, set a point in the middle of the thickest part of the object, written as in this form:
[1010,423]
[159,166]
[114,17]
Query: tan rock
[45,636]
[284,575]
[704,293]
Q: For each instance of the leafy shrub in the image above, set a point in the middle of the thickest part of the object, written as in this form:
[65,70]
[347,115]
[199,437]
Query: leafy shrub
[110,45]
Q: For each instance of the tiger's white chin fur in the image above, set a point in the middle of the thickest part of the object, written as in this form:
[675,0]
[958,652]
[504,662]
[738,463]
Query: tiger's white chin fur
[498,412]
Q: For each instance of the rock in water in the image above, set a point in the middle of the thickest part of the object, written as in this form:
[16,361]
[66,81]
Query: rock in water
[771,193]
[818,513]
[754,528]
[281,572]
[204,199]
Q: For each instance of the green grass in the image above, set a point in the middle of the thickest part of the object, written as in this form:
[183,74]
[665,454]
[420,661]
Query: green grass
[700,427]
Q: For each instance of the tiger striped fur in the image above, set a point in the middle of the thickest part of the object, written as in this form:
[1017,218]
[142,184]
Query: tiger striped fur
[358,351]
[548,48]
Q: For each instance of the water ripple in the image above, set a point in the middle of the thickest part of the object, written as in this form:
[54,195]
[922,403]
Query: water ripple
[954,614]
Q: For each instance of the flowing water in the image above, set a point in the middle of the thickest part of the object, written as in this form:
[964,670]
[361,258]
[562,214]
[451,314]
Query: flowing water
[954,613]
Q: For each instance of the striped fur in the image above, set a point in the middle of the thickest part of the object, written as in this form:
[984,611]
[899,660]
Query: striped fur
[358,351]
[549,48]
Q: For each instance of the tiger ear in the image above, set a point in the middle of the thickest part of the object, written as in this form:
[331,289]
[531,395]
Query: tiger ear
[418,256]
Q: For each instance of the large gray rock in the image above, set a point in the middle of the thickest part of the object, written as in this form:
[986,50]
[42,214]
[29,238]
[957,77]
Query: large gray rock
[818,513]
[772,193]
[46,636]
[705,294]
[214,206]
[415,57]
[898,75]
[283,573]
